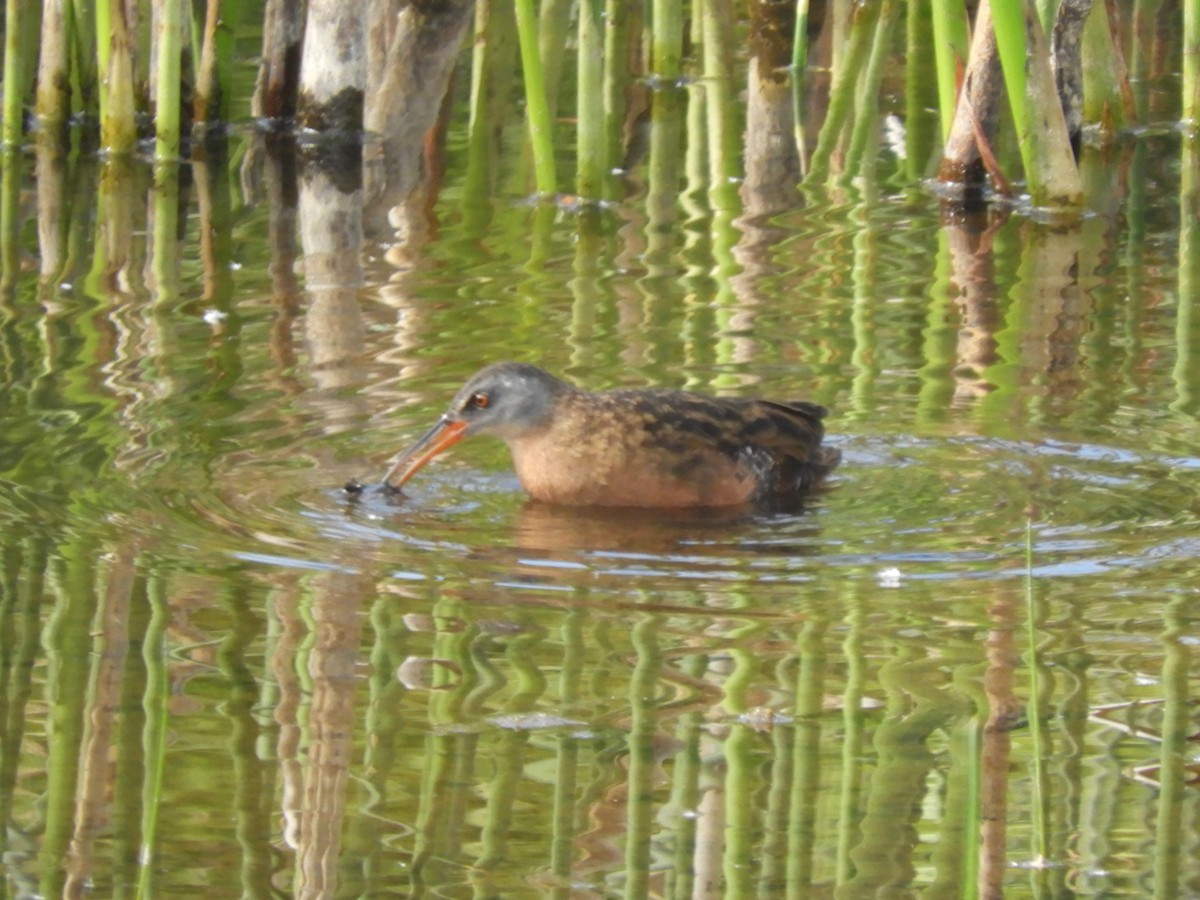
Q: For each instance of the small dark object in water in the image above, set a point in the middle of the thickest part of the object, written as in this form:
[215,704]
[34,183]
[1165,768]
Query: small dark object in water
[353,487]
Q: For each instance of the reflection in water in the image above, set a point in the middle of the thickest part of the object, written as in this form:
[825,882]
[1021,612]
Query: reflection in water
[541,526]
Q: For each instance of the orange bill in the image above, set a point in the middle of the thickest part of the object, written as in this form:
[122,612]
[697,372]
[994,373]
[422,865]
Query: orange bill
[445,434]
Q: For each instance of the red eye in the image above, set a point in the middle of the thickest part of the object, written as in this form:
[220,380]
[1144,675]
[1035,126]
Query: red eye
[480,400]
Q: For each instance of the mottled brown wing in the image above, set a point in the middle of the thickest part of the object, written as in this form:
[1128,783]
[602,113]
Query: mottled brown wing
[778,444]
[786,436]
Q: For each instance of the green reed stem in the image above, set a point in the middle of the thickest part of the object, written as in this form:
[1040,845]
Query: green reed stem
[103,22]
[590,143]
[1191,64]
[723,138]
[84,49]
[866,106]
[11,180]
[167,86]
[951,47]
[1008,23]
[553,26]
[1046,152]
[118,131]
[799,71]
[1105,78]
[666,39]
[493,67]
[845,84]
[541,127]
[14,65]
[621,24]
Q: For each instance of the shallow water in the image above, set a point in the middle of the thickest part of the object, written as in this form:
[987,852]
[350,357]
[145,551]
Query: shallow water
[967,662]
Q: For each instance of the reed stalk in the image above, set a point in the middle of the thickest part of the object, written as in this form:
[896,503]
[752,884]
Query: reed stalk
[211,101]
[14,63]
[866,105]
[1046,152]
[1191,65]
[1046,10]
[845,84]
[1107,94]
[168,69]
[590,144]
[799,71]
[333,72]
[53,102]
[951,48]
[663,173]
[666,39]
[493,60]
[621,23]
[11,180]
[537,109]
[553,28]
[278,74]
[118,129]
[84,48]
[723,144]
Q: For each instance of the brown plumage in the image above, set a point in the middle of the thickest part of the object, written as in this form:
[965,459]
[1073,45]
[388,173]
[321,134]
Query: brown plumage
[650,448]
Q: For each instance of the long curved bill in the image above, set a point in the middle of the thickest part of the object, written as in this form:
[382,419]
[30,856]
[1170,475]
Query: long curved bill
[445,434]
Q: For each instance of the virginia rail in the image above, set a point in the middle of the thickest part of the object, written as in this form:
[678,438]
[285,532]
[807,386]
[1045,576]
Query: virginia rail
[649,448]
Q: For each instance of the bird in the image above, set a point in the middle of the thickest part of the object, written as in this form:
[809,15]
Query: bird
[655,447]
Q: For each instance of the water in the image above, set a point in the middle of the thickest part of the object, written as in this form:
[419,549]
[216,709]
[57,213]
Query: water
[221,669]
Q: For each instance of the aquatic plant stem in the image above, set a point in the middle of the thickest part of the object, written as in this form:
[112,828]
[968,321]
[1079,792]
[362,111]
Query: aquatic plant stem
[214,72]
[590,145]
[53,102]
[118,132]
[867,102]
[14,113]
[621,24]
[951,47]
[1046,152]
[167,86]
[1191,65]
[666,47]
[799,70]
[1107,93]
[845,83]
[537,110]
